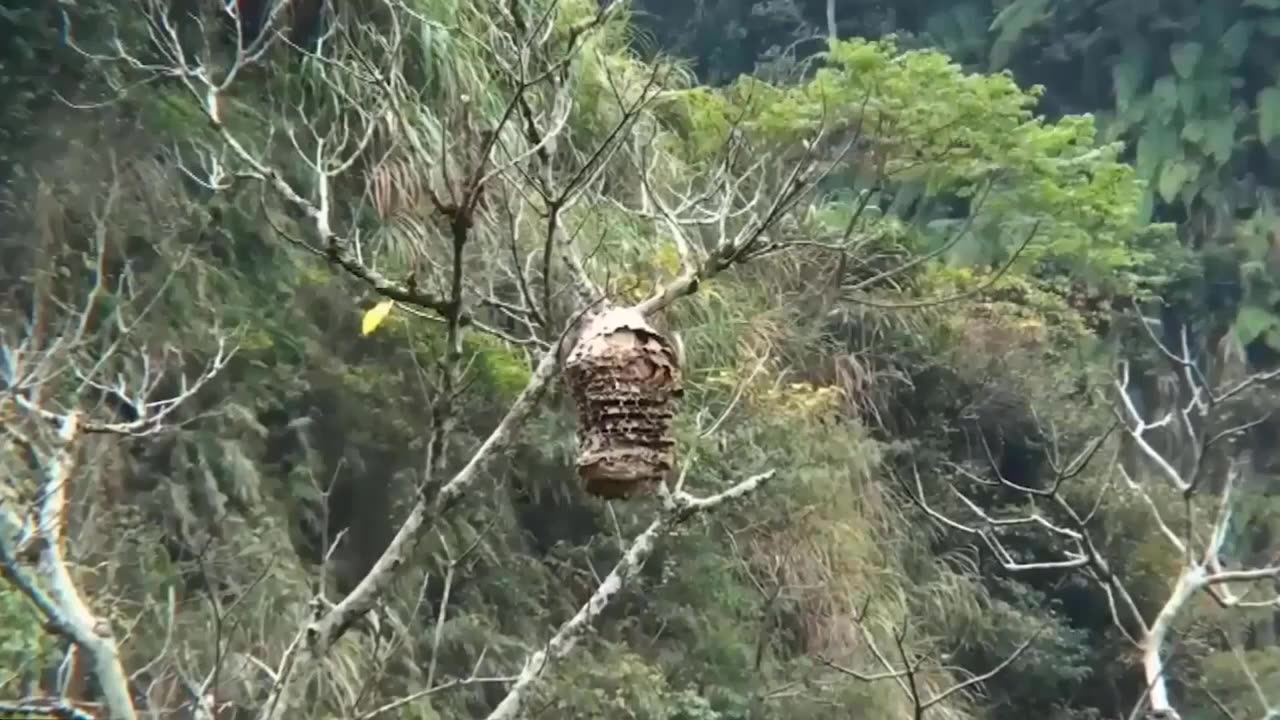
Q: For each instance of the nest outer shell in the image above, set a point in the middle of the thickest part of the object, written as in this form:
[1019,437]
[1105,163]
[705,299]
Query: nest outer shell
[625,378]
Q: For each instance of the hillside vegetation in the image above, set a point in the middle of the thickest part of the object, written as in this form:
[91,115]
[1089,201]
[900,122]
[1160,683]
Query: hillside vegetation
[295,300]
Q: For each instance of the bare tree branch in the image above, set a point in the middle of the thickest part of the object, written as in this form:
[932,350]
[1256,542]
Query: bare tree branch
[677,507]
[1200,545]
[46,382]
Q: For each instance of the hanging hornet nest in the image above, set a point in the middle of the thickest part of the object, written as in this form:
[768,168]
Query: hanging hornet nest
[625,379]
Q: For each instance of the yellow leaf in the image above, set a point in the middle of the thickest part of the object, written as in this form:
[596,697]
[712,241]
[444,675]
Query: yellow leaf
[375,315]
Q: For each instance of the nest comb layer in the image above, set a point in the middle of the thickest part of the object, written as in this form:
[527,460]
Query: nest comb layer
[625,379]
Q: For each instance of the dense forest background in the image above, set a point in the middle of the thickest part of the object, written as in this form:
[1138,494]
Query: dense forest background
[992,289]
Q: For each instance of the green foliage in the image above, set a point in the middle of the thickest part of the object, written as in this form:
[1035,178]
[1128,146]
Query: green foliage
[504,369]
[1011,23]
[321,430]
[1226,677]
[1268,114]
[948,136]
[704,118]
[1182,90]
[615,683]
[1253,322]
[24,645]
[1195,96]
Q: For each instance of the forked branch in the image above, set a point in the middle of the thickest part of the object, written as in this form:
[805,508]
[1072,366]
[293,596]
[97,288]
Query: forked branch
[1198,422]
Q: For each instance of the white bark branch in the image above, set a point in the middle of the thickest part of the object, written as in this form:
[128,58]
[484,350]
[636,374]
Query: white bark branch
[383,110]
[324,631]
[677,506]
[51,587]
[1191,581]
[1199,547]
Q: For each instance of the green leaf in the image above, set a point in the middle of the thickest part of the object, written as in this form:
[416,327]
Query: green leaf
[1265,4]
[1272,338]
[1220,138]
[1269,114]
[1235,41]
[1010,24]
[375,315]
[1164,96]
[1126,75]
[1253,270]
[1185,57]
[1270,26]
[1173,177]
[1157,144]
[1189,97]
[1252,321]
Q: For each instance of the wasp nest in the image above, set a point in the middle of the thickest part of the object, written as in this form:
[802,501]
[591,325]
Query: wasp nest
[625,379]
